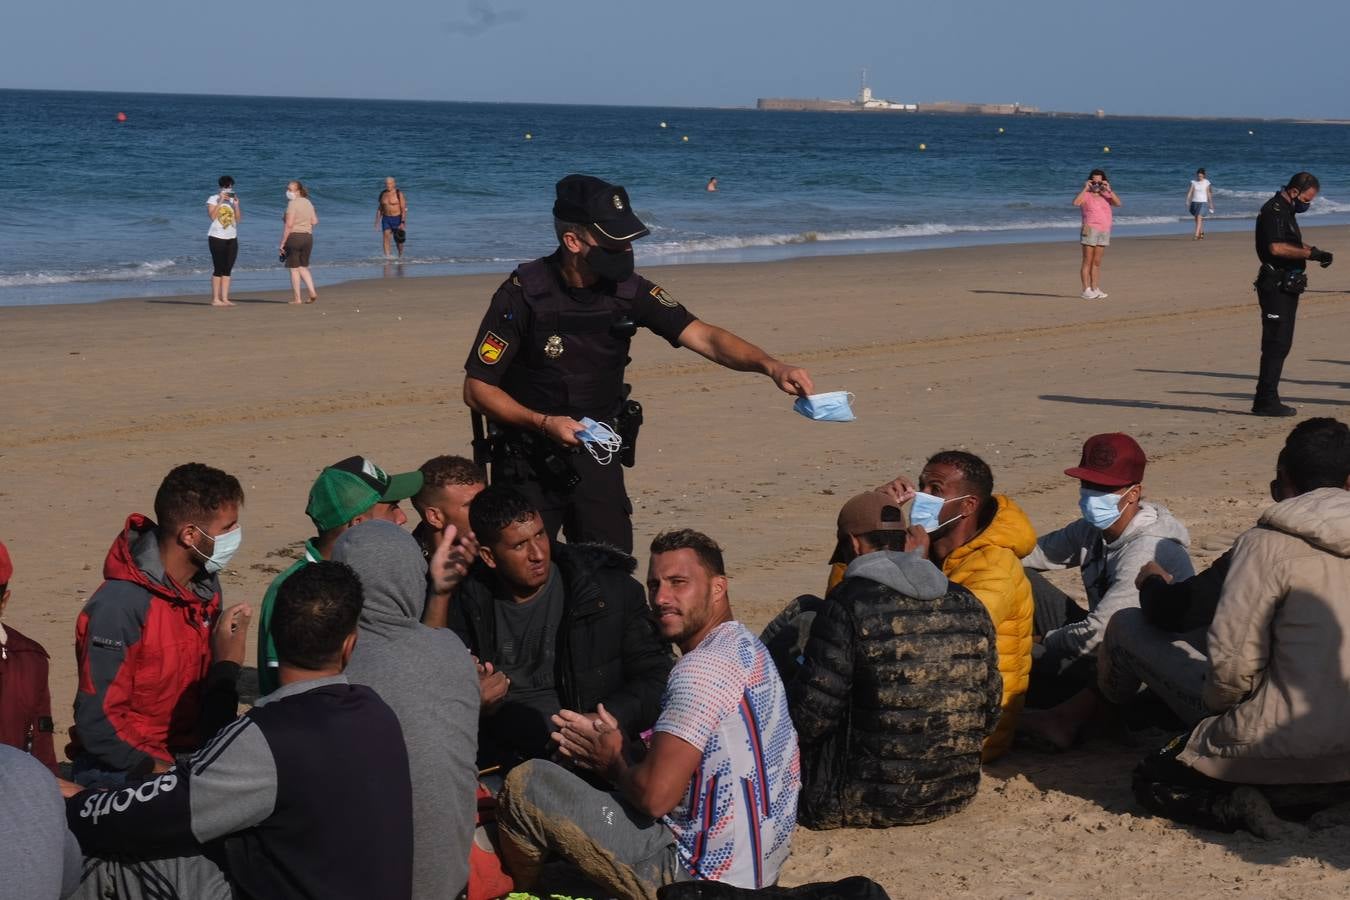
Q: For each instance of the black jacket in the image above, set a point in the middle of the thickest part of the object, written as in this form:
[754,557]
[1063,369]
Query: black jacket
[608,648]
[898,688]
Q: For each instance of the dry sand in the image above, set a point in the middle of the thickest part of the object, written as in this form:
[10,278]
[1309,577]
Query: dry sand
[986,349]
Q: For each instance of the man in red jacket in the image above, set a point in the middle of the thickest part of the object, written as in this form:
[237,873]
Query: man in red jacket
[25,702]
[143,641]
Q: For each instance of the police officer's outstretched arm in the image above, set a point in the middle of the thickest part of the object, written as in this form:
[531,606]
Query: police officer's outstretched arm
[733,352]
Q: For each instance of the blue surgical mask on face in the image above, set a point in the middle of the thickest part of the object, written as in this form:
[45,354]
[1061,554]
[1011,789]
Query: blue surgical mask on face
[835,406]
[926,512]
[1100,509]
[223,548]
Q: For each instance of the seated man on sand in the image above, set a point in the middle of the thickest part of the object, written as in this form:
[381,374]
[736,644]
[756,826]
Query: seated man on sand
[1119,532]
[429,680]
[143,642]
[345,494]
[449,484]
[552,628]
[1275,685]
[305,795]
[978,539]
[714,796]
[1162,645]
[898,686]
[25,700]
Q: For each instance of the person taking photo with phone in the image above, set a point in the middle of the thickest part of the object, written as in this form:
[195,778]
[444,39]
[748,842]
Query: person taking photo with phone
[1095,200]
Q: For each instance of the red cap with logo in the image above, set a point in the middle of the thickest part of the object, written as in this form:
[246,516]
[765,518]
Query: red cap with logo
[6,567]
[1114,460]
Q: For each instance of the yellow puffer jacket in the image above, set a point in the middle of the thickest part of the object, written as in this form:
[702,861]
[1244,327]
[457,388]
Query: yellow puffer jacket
[990,567]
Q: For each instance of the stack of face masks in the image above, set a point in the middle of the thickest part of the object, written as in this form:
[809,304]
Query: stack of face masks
[600,440]
[835,406]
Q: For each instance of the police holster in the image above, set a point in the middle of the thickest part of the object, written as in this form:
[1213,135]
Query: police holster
[1287,281]
[512,456]
[627,424]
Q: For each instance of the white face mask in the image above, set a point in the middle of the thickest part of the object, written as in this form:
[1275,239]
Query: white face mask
[224,546]
[291,195]
[927,511]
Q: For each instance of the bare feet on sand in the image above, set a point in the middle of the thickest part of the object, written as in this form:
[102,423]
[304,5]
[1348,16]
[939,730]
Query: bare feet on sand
[1046,729]
[221,303]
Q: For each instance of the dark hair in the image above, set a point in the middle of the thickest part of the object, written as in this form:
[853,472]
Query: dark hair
[562,229]
[442,470]
[496,509]
[884,540]
[1096,172]
[316,609]
[704,547]
[1317,454]
[978,478]
[225,181]
[1199,171]
[1302,182]
[193,491]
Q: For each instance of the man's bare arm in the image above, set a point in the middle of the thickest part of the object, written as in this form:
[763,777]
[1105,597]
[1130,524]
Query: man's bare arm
[734,352]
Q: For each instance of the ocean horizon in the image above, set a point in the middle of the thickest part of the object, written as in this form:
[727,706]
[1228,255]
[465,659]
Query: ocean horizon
[96,209]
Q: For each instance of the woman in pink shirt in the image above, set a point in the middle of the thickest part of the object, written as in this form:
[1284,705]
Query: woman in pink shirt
[1095,200]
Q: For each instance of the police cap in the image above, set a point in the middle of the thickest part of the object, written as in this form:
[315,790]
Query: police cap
[587,200]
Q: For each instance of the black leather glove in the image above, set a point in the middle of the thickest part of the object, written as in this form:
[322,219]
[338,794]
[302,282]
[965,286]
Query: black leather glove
[1322,257]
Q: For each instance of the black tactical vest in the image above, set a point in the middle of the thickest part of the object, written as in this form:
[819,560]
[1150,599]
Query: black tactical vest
[574,352]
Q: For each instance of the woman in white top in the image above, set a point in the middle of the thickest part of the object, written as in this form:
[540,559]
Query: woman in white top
[297,239]
[1200,195]
[223,238]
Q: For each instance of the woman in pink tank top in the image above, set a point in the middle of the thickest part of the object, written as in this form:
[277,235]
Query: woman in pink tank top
[1096,200]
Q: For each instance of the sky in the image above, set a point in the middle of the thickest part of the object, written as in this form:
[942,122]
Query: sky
[1183,57]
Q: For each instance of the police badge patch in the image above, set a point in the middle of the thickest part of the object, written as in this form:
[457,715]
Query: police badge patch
[491,349]
[553,347]
[659,294]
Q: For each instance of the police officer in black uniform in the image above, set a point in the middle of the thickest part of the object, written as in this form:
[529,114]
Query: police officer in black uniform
[1279,244]
[552,349]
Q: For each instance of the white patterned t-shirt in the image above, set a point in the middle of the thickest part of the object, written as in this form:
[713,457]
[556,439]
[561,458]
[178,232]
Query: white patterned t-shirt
[734,822]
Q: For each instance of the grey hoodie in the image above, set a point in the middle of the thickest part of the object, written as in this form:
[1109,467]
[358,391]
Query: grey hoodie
[1109,570]
[909,573]
[427,676]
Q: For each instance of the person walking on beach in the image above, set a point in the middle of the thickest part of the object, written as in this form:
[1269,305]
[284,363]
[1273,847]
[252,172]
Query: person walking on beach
[391,215]
[223,238]
[1200,195]
[1095,200]
[1284,257]
[297,239]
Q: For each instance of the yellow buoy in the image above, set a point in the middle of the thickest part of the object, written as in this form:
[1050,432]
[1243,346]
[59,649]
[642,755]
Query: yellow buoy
[685,138]
[923,146]
[1106,149]
[528,136]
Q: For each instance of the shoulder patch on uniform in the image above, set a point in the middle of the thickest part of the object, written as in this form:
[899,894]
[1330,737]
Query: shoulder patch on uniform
[491,350]
[659,294]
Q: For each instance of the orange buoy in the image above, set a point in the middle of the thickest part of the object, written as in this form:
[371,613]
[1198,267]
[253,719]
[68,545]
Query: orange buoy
[121,117]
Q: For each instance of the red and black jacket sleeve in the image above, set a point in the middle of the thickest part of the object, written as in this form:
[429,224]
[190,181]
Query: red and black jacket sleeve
[107,651]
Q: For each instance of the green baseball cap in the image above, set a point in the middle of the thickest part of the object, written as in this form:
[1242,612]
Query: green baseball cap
[349,488]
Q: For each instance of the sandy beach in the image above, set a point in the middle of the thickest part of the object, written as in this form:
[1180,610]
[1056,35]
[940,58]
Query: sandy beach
[987,349]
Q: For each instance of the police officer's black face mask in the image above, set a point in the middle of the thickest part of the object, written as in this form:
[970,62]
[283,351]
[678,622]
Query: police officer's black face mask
[612,265]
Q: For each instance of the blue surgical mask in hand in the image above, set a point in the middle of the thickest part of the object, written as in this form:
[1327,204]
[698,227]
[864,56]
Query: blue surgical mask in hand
[836,406]
[1100,509]
[926,512]
[601,440]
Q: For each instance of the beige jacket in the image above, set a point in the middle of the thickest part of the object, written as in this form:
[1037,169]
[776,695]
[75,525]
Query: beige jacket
[1279,648]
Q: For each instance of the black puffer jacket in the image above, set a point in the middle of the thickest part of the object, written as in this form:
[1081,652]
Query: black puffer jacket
[898,688]
[608,648]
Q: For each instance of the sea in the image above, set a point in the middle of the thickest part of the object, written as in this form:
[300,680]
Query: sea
[95,206]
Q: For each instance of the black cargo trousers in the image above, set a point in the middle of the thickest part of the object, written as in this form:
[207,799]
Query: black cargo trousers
[1278,312]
